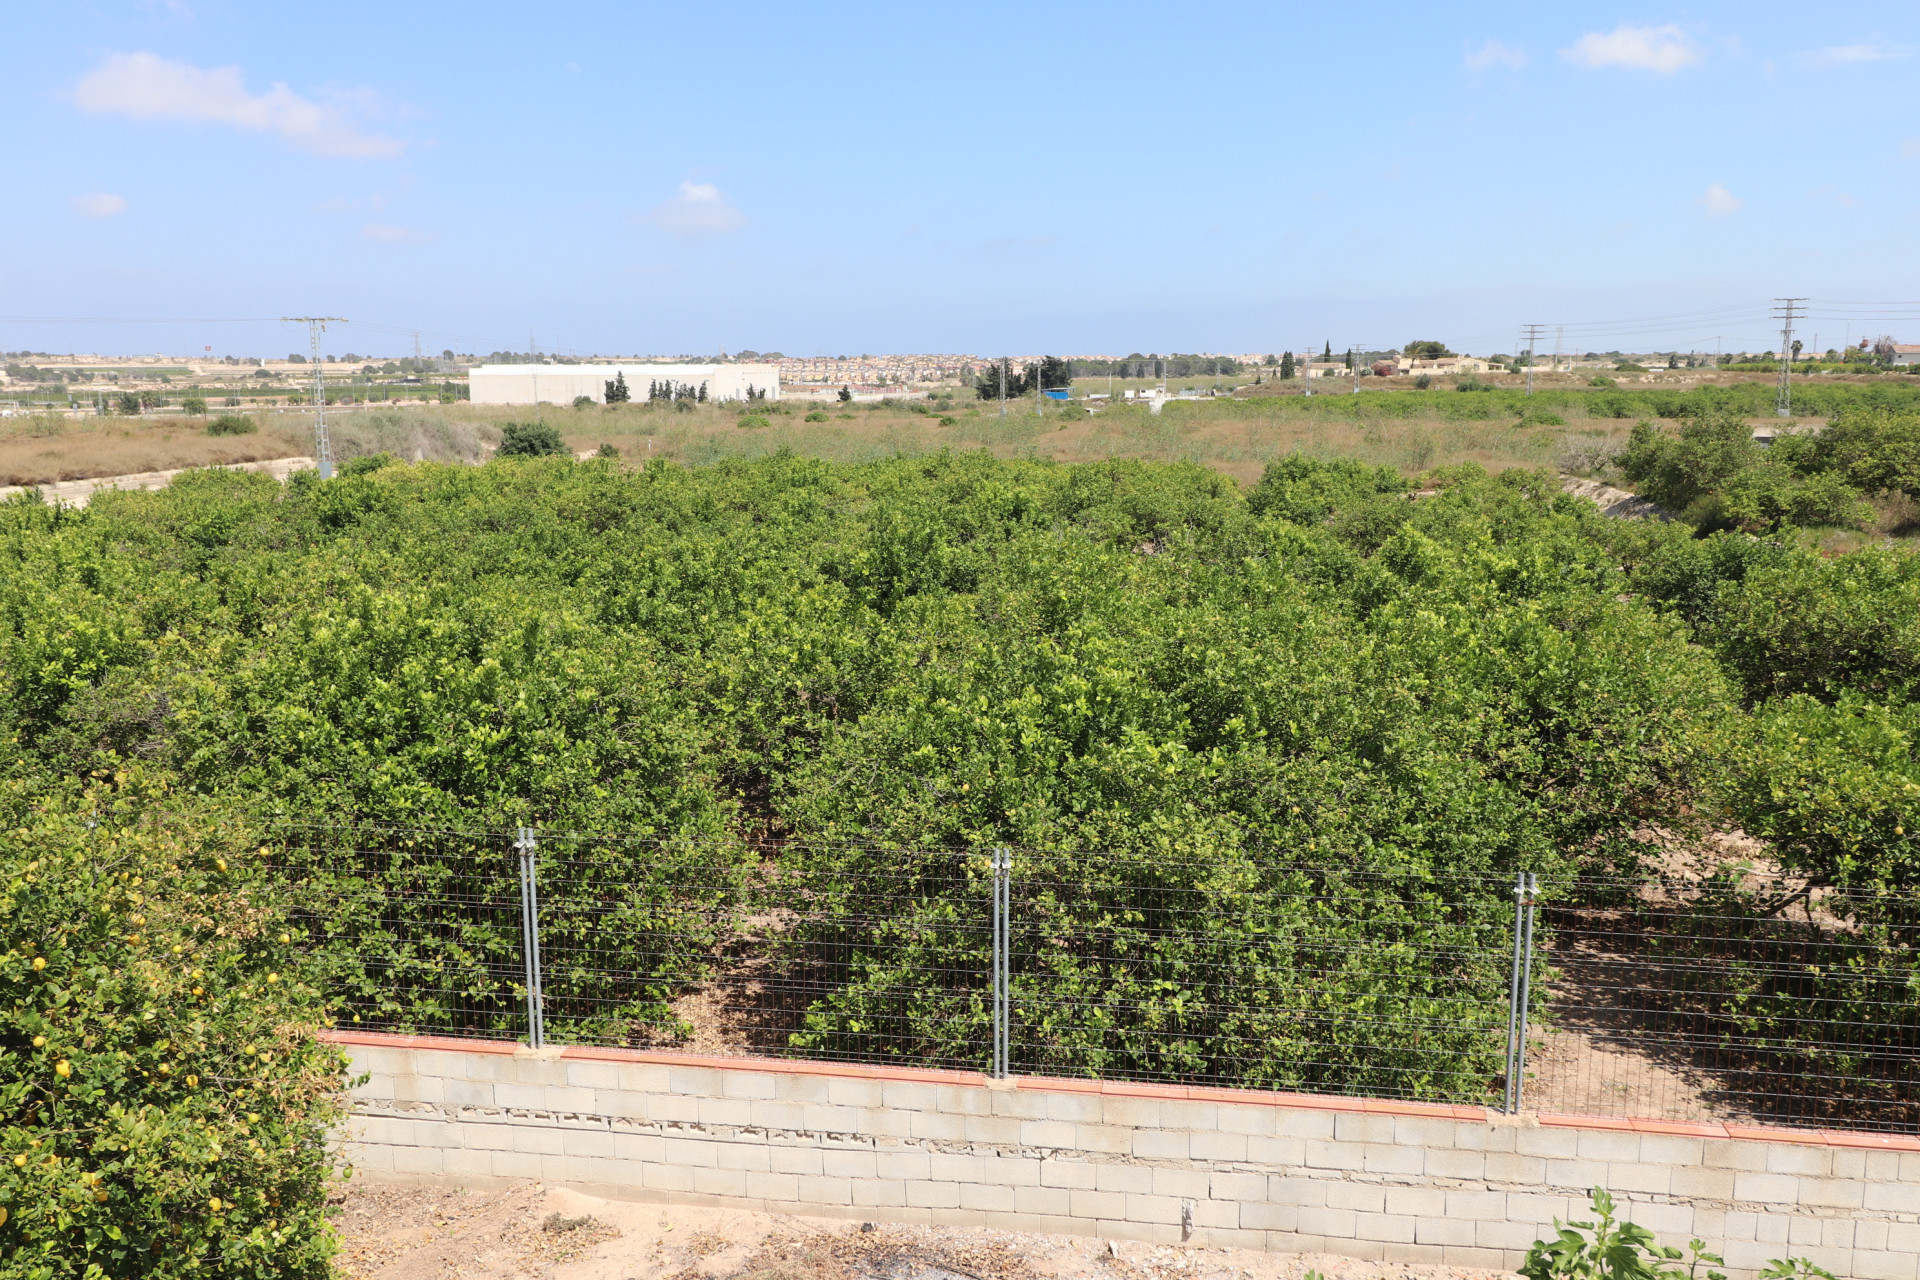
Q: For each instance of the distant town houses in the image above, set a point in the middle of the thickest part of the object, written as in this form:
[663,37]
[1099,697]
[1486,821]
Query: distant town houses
[1406,366]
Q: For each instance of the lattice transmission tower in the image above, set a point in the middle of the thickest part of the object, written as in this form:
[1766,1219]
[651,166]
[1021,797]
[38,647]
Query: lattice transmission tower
[1783,311]
[322,446]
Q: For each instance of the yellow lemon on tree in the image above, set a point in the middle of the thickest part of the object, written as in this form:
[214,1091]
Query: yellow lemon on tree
[213,1203]
[39,962]
[63,1068]
[39,1042]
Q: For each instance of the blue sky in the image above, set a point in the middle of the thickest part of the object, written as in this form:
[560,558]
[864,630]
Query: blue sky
[985,177]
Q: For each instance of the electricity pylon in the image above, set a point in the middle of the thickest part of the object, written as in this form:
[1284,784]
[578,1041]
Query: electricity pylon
[1783,399]
[322,446]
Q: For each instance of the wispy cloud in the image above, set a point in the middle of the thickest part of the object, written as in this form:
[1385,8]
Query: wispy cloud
[1846,55]
[1910,149]
[1664,49]
[145,86]
[1496,54]
[698,209]
[98,204]
[386,234]
[1718,201]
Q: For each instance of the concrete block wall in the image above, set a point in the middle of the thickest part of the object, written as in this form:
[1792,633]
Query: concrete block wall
[1395,1182]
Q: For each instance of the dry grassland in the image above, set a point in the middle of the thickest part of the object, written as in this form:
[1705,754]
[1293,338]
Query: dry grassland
[1235,436]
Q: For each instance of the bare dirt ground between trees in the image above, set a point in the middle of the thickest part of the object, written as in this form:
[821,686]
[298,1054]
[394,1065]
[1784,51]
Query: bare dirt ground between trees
[533,1232]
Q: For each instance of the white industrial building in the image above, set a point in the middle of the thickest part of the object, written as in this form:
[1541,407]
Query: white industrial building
[563,383]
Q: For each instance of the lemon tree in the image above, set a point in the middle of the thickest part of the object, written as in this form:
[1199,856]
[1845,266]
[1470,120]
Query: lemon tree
[166,1104]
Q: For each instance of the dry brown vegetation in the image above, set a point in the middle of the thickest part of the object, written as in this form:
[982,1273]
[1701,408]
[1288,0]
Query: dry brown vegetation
[1235,436]
[46,449]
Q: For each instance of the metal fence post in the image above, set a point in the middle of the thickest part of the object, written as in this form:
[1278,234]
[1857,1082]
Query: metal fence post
[530,936]
[1531,895]
[1002,866]
[1509,1104]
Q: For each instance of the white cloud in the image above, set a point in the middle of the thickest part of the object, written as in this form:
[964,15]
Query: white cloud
[1842,55]
[1910,149]
[397,235]
[98,204]
[1718,201]
[145,86]
[698,210]
[1495,54]
[1664,49]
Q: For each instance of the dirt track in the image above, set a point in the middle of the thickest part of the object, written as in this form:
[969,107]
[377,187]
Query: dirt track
[535,1233]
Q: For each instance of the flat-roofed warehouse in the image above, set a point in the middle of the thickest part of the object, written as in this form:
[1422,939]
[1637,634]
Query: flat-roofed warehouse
[563,383]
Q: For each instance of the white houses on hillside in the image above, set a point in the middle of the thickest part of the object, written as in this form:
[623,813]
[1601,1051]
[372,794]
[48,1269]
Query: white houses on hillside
[563,383]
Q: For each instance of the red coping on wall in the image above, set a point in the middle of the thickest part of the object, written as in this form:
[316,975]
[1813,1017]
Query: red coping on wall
[1147,1089]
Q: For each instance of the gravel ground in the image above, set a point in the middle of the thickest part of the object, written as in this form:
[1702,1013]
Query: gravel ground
[536,1233]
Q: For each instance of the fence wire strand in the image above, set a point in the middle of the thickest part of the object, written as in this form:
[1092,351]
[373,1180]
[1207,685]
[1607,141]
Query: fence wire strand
[1652,997]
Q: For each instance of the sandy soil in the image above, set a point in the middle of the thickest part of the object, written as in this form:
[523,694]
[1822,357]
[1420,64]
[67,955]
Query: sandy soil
[539,1233]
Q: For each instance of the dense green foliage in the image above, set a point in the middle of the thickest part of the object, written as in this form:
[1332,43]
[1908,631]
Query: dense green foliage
[1712,471]
[530,440]
[1490,401]
[1309,730]
[164,1105]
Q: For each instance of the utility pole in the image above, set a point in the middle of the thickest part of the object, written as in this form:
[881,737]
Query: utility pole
[1533,336]
[533,350]
[1003,387]
[322,446]
[1306,372]
[1353,362]
[1783,400]
[1559,332]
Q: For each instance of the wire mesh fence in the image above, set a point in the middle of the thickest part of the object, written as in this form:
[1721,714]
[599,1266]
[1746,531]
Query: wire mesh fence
[1731,997]
[1727,998]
